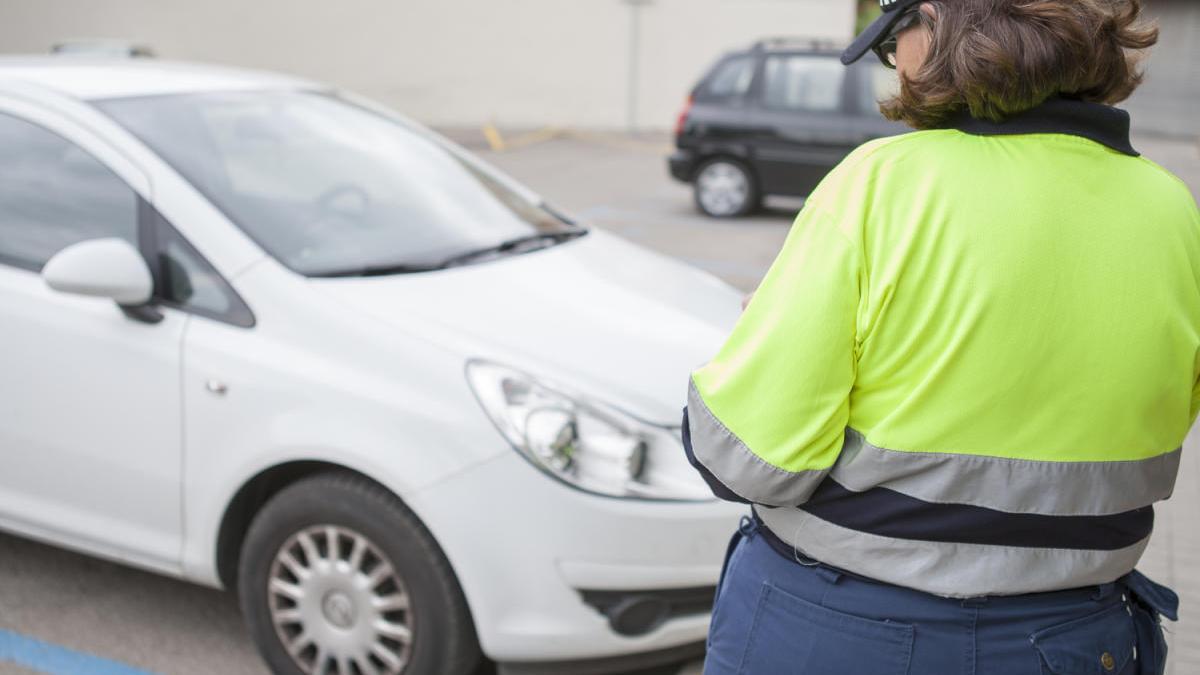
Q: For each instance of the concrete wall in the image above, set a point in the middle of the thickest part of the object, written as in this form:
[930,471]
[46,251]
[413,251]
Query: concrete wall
[1169,100]
[517,63]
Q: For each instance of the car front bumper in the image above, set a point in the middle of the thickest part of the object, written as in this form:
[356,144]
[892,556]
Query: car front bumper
[543,565]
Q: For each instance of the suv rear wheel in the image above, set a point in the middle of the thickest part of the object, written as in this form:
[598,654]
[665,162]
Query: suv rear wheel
[337,576]
[725,188]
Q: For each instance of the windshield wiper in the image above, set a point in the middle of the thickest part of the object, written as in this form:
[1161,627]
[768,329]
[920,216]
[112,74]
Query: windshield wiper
[524,243]
[377,270]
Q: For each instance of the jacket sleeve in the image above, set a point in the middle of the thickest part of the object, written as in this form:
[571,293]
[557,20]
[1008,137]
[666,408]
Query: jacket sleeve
[766,418]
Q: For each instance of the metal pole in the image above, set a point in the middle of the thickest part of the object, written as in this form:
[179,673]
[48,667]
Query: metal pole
[635,40]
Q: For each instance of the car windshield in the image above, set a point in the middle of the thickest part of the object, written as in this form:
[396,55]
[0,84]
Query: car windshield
[329,187]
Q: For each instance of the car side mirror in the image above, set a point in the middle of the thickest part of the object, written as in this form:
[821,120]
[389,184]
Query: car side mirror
[105,268]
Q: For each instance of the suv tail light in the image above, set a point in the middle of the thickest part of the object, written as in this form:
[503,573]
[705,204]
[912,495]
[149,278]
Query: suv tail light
[683,115]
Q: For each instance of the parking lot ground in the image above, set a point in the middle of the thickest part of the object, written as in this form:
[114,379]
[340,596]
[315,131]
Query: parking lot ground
[109,611]
[8,668]
[617,183]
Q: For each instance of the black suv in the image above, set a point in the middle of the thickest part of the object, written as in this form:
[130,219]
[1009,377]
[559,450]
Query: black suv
[773,120]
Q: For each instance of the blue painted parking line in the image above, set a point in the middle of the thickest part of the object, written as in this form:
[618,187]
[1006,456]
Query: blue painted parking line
[50,658]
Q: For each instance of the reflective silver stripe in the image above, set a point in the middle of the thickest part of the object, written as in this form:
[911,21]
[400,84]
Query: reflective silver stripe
[1011,485]
[947,569]
[736,465]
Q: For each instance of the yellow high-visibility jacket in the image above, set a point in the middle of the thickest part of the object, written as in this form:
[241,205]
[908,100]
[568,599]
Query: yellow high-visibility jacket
[972,366]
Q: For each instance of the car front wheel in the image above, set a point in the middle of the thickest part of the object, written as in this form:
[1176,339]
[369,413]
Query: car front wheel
[338,576]
[724,188]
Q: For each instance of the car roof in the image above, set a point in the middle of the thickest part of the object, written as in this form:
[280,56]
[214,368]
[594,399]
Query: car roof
[90,77]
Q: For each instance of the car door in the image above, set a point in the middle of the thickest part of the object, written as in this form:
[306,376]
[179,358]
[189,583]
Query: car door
[90,429]
[719,104]
[799,119]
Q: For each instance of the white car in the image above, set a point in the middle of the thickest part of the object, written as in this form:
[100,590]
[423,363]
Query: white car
[267,336]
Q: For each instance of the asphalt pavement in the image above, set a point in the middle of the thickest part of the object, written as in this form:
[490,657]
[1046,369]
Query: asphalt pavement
[57,605]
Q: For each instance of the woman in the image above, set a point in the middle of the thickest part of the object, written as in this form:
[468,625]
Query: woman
[964,382]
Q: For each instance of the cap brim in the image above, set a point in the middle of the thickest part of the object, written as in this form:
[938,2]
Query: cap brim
[871,36]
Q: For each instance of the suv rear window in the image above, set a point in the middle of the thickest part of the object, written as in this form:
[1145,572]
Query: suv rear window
[877,84]
[803,82]
[730,79]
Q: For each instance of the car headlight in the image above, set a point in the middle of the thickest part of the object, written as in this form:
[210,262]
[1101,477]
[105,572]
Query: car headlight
[587,444]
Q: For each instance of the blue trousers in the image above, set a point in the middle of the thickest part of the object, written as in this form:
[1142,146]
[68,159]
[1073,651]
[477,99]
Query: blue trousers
[775,616]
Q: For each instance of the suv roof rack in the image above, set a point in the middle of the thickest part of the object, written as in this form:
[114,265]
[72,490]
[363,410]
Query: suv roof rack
[102,47]
[791,42]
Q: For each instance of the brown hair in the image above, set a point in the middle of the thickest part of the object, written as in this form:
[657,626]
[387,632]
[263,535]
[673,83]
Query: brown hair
[996,58]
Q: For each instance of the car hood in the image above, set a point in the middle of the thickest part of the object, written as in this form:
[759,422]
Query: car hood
[598,313]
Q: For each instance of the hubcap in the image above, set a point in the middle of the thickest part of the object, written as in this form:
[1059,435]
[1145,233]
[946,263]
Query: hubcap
[339,609]
[338,605]
[723,188]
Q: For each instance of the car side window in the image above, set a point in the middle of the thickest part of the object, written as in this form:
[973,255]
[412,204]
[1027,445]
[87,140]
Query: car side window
[876,84]
[730,79]
[802,82]
[187,281]
[54,194]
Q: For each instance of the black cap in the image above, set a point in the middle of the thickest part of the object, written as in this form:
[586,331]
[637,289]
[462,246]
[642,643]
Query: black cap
[878,30]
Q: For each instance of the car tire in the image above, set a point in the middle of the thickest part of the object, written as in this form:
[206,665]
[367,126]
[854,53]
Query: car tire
[725,188]
[383,599]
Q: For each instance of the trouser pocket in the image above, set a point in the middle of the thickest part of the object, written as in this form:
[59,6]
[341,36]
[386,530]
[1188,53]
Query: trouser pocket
[792,635]
[1103,643]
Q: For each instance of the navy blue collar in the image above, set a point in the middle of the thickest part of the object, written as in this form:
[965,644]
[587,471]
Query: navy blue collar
[1104,124]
